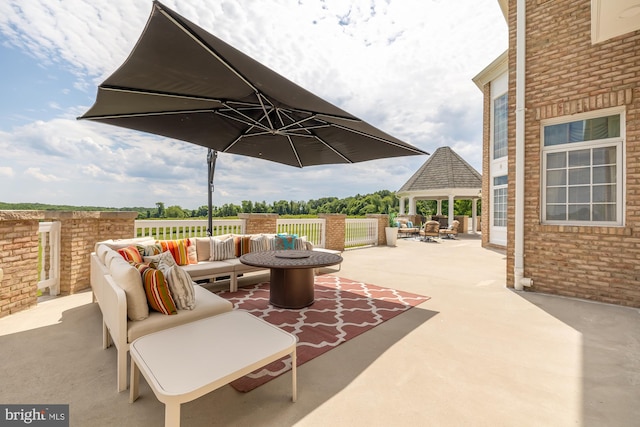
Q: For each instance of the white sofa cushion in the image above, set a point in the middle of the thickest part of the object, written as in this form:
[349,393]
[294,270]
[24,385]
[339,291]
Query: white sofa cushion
[209,304]
[128,278]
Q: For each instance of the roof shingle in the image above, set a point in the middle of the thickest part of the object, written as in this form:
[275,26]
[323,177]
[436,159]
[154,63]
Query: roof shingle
[443,169]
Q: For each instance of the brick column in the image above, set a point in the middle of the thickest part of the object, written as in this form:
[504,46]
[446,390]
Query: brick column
[383,221]
[79,232]
[256,223]
[335,230]
[18,260]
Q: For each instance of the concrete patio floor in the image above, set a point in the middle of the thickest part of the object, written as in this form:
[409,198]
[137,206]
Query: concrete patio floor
[475,354]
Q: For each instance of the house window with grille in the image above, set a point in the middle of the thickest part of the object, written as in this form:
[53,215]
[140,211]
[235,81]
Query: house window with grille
[500,127]
[582,164]
[500,201]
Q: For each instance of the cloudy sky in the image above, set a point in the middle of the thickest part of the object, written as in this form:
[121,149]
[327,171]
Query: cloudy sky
[404,66]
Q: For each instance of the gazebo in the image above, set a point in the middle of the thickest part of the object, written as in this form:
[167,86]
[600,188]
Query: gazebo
[444,176]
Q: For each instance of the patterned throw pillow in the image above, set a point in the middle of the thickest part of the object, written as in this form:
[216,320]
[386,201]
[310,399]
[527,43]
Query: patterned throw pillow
[162,258]
[222,249]
[285,241]
[180,285]
[150,250]
[192,251]
[156,289]
[178,249]
[130,254]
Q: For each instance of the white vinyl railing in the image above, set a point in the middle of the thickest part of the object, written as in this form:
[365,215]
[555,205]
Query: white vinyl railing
[181,229]
[49,256]
[312,228]
[360,232]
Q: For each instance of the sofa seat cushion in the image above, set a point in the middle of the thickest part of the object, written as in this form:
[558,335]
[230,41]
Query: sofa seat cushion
[207,269]
[239,267]
[207,304]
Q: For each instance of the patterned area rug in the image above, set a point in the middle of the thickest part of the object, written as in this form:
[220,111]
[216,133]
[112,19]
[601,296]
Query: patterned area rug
[343,309]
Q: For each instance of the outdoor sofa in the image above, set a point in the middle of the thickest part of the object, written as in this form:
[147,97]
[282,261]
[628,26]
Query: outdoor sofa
[132,295]
[406,228]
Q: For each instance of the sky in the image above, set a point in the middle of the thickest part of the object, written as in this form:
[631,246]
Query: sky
[404,66]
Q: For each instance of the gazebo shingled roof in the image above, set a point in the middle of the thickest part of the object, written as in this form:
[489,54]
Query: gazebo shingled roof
[445,170]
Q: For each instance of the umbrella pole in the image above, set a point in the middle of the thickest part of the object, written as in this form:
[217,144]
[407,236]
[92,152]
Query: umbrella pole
[212,155]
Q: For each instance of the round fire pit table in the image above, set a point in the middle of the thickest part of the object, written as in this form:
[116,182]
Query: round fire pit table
[291,274]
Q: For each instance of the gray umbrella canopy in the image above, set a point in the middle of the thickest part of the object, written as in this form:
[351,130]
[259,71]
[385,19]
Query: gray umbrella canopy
[184,83]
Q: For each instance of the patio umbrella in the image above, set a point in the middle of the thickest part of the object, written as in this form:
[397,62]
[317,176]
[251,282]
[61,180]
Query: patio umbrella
[184,83]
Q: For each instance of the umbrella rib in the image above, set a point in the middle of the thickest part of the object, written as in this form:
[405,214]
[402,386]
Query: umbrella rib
[295,152]
[247,120]
[159,93]
[395,144]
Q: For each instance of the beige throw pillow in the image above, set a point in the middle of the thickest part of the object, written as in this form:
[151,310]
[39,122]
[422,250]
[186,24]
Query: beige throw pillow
[128,278]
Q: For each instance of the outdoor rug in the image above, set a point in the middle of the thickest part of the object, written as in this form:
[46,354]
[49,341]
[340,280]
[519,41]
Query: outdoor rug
[343,309]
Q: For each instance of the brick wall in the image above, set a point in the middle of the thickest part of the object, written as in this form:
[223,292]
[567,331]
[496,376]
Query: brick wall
[18,260]
[79,233]
[335,231]
[566,74]
[256,223]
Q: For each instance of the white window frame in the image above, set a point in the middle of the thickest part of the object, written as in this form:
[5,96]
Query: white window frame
[503,188]
[618,142]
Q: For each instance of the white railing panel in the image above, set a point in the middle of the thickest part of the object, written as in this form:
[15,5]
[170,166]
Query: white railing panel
[49,256]
[312,228]
[361,232]
[182,229]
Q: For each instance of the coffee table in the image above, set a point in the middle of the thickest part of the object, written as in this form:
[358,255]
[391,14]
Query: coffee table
[183,363]
[292,275]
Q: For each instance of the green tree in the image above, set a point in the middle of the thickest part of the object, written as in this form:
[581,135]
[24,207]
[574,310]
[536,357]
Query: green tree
[175,212]
[247,206]
[159,210]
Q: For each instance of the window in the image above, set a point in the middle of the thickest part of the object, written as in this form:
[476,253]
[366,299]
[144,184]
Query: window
[500,201]
[500,127]
[583,176]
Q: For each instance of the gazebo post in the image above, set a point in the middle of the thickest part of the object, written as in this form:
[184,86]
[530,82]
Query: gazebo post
[450,213]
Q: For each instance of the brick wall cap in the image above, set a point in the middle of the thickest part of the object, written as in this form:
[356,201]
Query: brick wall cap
[257,215]
[8,215]
[52,215]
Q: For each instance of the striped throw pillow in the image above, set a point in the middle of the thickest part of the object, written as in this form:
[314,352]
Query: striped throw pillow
[180,286]
[178,249]
[222,249]
[242,245]
[130,254]
[156,289]
[258,243]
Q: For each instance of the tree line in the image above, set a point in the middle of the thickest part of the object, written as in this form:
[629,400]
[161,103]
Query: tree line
[380,202]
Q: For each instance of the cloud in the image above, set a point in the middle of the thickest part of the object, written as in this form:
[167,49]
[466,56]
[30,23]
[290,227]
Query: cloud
[405,67]
[37,174]
[7,171]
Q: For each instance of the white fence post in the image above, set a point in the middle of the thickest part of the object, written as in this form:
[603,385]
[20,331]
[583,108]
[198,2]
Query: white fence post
[49,243]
